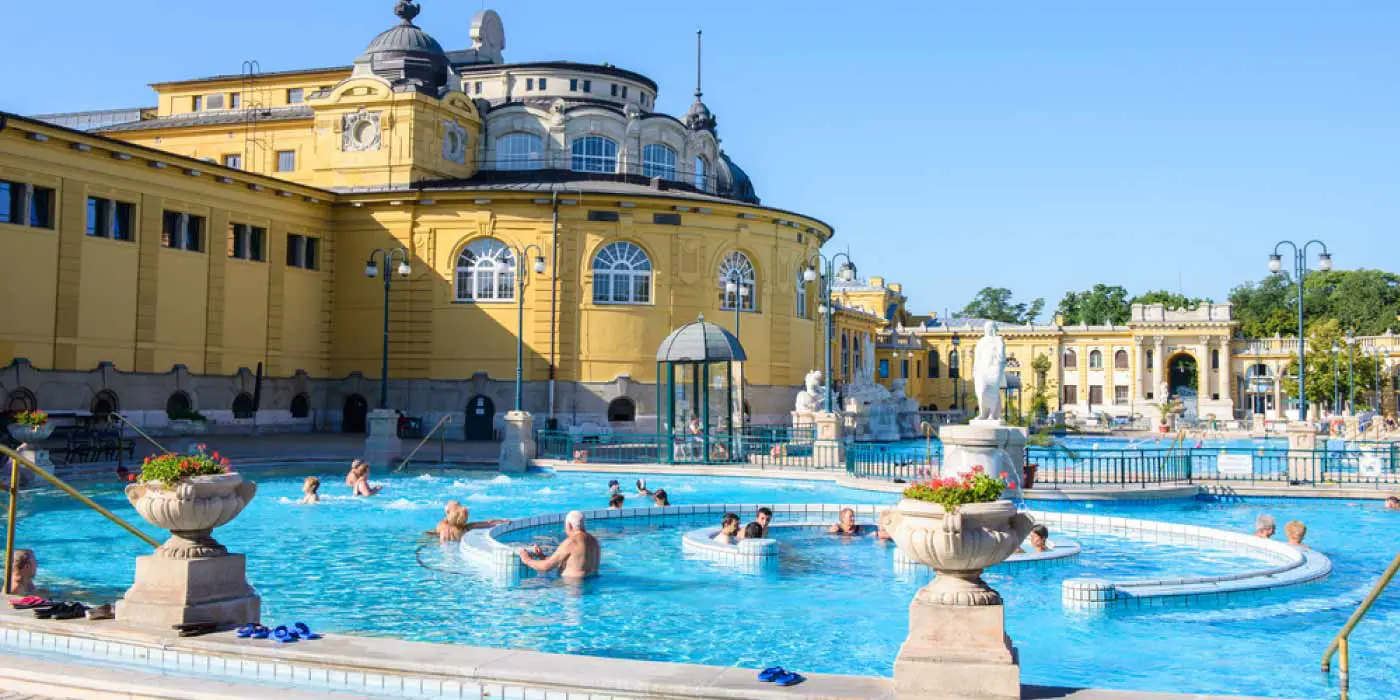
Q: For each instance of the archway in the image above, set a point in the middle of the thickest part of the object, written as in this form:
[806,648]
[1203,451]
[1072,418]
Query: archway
[1181,382]
[104,405]
[356,414]
[301,406]
[622,410]
[178,405]
[243,405]
[481,417]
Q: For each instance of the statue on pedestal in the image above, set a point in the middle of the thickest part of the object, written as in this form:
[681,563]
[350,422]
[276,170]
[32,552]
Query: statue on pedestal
[989,373]
[813,396]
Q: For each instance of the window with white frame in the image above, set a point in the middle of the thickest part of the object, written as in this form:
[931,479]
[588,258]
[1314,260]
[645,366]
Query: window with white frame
[286,161]
[738,270]
[621,274]
[801,293]
[702,173]
[594,154]
[1095,359]
[486,271]
[519,150]
[659,160]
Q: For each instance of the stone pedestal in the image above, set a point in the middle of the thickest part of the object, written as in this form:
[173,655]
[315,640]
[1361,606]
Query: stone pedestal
[956,652]
[170,591]
[517,442]
[382,444]
[829,450]
[998,448]
[38,455]
[1257,426]
[1302,441]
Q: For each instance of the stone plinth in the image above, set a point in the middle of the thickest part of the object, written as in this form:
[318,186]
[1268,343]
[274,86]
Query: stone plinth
[382,444]
[1302,441]
[998,448]
[1257,426]
[170,591]
[38,455]
[517,442]
[956,652]
[829,450]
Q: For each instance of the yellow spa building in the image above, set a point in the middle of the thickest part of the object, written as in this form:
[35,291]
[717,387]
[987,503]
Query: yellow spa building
[161,255]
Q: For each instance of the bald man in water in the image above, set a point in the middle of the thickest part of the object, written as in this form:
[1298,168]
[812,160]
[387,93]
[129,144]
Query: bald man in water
[576,557]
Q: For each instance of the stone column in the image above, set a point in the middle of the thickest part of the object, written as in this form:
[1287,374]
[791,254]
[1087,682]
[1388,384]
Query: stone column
[1227,376]
[382,444]
[1081,360]
[1141,376]
[998,448]
[1203,391]
[517,442]
[1159,367]
[1279,411]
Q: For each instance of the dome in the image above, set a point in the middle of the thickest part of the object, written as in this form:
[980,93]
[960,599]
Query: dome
[407,56]
[734,183]
[699,118]
[700,341]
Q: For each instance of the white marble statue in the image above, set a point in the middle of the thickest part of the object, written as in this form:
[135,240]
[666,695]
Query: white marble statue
[813,396]
[989,373]
[1164,392]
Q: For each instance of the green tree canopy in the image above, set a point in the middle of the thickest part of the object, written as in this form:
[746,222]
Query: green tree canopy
[1365,302]
[1171,300]
[1102,305]
[995,303]
[1324,368]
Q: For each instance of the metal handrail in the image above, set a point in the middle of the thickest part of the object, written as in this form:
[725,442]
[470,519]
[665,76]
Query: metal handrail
[1339,643]
[16,460]
[141,432]
[441,422]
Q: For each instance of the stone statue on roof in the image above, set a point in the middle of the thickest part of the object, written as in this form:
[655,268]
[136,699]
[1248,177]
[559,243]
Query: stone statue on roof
[989,372]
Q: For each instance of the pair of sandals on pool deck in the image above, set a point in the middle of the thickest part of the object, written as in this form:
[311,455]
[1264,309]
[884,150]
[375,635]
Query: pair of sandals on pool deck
[777,675]
[281,633]
[45,609]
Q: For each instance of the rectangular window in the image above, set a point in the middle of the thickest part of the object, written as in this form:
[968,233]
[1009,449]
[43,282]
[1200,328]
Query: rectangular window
[904,369]
[233,160]
[601,215]
[182,231]
[286,161]
[312,261]
[918,367]
[1149,359]
[247,242]
[295,96]
[1120,394]
[573,84]
[214,101]
[529,83]
[295,248]
[477,87]
[41,207]
[666,219]
[624,92]
[170,229]
[1071,395]
[588,86]
[197,103]
[614,89]
[9,205]
[235,100]
[1095,395]
[99,217]
[544,83]
[124,221]
[194,233]
[884,369]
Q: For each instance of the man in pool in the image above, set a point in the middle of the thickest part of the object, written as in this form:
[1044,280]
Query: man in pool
[1039,539]
[614,487]
[765,516]
[615,501]
[1265,526]
[846,524]
[1392,503]
[575,558]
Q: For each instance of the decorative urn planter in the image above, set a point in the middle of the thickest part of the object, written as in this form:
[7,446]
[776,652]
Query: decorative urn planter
[958,546]
[191,510]
[31,433]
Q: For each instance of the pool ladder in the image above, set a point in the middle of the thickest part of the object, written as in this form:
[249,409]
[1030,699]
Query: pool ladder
[16,461]
[443,446]
[1339,644]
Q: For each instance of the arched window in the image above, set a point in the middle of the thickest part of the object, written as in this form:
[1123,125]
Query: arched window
[519,150]
[178,404]
[933,364]
[845,356]
[801,293]
[622,410]
[736,269]
[301,406]
[105,404]
[954,366]
[486,271]
[594,154]
[21,399]
[1258,370]
[243,405]
[1120,359]
[1070,359]
[621,274]
[1095,359]
[1214,359]
[702,174]
[659,160]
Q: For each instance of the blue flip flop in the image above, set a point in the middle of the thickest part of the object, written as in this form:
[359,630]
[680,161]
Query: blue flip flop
[305,632]
[788,678]
[246,631]
[284,635]
[770,674]
[260,632]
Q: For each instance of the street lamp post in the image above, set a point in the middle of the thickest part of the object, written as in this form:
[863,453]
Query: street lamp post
[845,273]
[734,284]
[1300,268]
[387,255]
[1351,374]
[1336,388]
[522,278]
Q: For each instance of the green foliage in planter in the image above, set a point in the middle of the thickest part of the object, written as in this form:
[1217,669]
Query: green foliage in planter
[183,414]
[171,468]
[974,487]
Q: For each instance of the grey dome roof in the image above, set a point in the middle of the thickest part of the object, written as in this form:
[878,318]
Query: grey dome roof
[700,341]
[405,38]
[407,57]
[734,182]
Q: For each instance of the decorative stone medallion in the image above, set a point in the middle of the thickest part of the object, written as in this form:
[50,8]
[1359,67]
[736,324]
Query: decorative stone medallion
[454,142]
[360,131]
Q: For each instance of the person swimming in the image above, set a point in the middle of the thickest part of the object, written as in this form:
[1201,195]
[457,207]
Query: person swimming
[754,531]
[728,529]
[1039,539]
[358,479]
[310,490]
[576,557]
[763,518]
[660,499]
[846,524]
[614,487]
[615,501]
[642,488]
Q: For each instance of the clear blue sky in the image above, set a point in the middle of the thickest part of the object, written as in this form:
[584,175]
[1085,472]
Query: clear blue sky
[953,145]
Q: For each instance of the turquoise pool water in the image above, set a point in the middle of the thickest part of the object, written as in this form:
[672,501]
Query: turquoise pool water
[361,566]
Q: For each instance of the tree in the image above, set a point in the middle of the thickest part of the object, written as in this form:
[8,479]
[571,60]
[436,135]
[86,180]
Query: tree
[1364,301]
[1102,305]
[1040,403]
[1323,368]
[994,303]
[1265,308]
[1171,300]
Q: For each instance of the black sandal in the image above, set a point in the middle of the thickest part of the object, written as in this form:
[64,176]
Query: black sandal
[194,629]
[74,611]
[52,610]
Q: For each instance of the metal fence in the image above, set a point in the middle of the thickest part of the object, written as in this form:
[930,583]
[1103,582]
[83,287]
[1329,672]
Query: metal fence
[758,447]
[1057,466]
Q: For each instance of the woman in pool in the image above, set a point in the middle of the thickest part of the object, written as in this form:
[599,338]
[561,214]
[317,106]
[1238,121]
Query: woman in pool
[846,524]
[615,501]
[660,499]
[1039,540]
[728,529]
[754,531]
[359,479]
[310,490]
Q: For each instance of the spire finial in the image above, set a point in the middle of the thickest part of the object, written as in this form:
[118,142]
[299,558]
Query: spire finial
[407,10]
[698,34]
